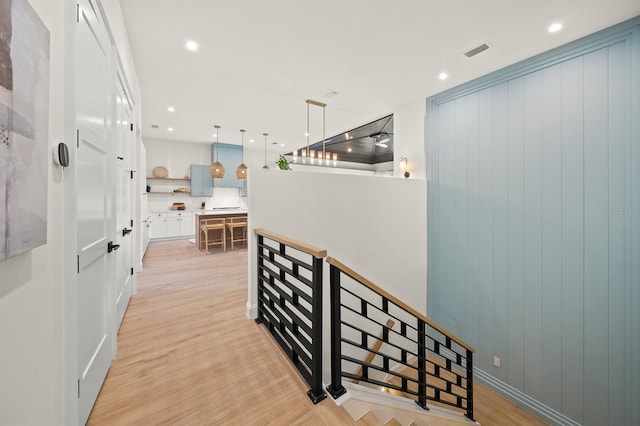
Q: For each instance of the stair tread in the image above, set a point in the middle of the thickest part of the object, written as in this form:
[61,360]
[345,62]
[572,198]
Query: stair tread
[370,419]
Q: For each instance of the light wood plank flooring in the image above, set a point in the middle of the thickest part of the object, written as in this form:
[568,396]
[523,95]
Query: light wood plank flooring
[187,354]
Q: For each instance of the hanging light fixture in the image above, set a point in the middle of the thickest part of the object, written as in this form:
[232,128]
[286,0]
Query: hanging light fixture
[308,153]
[217,169]
[241,171]
[265,150]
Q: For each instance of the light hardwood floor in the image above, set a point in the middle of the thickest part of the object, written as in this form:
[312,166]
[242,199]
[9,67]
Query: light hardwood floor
[187,354]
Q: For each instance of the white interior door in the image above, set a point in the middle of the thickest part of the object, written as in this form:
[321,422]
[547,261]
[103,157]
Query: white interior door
[123,202]
[93,165]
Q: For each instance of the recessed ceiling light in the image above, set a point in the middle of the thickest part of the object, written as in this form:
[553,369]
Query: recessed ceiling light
[251,140]
[555,27]
[443,76]
[282,145]
[349,150]
[170,129]
[171,109]
[191,45]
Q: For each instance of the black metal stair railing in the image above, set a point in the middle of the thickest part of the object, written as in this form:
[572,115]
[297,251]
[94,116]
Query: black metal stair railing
[290,302]
[418,358]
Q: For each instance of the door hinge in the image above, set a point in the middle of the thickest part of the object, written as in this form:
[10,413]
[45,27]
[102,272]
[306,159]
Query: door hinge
[77,13]
[132,127]
[78,138]
[78,256]
[78,388]
[131,271]
[132,172]
[132,223]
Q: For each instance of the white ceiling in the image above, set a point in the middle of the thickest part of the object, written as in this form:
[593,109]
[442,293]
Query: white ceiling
[260,59]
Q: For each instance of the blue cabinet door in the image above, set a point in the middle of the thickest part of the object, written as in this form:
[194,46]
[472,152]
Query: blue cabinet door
[201,182]
[231,157]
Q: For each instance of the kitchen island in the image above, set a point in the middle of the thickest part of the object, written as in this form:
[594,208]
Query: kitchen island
[225,212]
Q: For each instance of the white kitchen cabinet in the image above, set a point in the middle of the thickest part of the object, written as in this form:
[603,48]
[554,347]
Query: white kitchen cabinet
[172,224]
[158,225]
[187,224]
[179,224]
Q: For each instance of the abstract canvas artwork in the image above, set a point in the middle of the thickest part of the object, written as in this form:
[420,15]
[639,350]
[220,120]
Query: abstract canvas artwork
[24,123]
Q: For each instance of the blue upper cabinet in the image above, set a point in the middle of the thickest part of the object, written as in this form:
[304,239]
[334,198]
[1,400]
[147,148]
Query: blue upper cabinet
[201,182]
[230,156]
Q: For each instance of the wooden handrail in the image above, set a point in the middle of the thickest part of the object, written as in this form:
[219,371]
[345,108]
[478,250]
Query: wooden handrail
[344,268]
[372,352]
[298,245]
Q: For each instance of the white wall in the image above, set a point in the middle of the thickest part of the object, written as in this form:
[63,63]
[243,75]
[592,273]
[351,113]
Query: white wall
[31,284]
[177,157]
[34,295]
[375,225]
[409,138]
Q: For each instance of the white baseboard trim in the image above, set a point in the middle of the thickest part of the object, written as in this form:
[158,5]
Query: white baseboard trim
[523,400]
[251,311]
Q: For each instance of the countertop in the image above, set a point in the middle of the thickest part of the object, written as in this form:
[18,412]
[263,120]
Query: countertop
[221,211]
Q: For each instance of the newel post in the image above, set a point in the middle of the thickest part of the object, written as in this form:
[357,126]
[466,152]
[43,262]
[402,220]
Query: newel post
[316,393]
[335,389]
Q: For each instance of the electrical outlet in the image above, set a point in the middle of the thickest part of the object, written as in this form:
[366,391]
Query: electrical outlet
[496,361]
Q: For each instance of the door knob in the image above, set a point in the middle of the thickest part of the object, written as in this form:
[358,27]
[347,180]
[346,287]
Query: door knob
[125,231]
[111,247]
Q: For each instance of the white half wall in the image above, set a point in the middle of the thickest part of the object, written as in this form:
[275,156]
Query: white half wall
[375,225]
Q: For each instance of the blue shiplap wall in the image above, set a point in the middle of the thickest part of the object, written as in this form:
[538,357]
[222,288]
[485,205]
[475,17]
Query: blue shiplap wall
[534,226]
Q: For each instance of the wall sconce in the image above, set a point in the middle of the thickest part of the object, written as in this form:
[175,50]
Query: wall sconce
[403,166]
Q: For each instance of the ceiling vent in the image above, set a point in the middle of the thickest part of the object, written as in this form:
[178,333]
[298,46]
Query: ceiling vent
[476,50]
[154,126]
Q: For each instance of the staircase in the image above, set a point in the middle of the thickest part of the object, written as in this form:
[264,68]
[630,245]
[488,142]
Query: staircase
[390,365]
[371,407]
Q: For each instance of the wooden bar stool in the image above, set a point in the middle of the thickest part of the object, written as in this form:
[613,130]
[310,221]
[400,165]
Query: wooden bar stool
[237,222]
[217,224]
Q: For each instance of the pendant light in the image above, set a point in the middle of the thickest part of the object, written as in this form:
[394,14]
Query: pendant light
[311,154]
[265,150]
[217,169]
[241,171]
